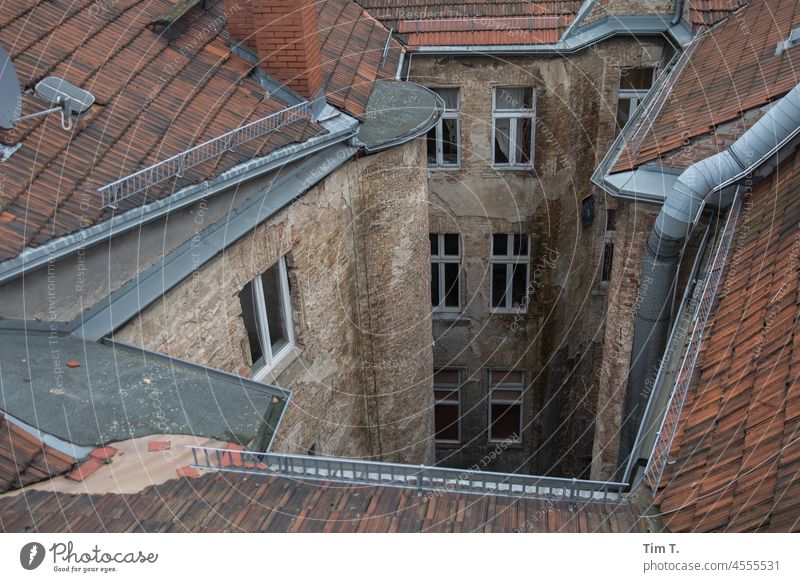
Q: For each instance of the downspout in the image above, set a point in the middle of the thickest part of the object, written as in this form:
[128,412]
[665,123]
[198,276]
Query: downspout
[678,14]
[680,212]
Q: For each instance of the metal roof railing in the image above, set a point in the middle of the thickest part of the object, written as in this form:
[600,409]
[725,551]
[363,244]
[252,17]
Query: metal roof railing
[657,460]
[111,194]
[419,477]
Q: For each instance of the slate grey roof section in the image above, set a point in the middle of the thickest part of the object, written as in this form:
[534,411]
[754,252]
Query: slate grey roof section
[397,112]
[120,392]
[140,292]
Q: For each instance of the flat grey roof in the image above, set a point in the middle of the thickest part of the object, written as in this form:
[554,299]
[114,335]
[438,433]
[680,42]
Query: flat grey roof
[120,392]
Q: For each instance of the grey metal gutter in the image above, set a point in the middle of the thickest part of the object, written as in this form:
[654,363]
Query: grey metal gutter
[148,286]
[340,129]
[583,12]
[681,210]
[679,35]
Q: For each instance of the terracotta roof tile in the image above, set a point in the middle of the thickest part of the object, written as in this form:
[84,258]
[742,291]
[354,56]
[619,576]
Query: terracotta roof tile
[24,459]
[733,69]
[234,502]
[735,460]
[156,96]
[474,22]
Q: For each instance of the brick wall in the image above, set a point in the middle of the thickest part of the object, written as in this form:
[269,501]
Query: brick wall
[558,342]
[338,349]
[634,223]
[284,34]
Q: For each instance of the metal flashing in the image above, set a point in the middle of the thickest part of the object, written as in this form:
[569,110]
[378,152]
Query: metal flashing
[340,129]
[147,287]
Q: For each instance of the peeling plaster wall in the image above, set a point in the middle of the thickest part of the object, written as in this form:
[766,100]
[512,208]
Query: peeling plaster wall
[558,342]
[360,375]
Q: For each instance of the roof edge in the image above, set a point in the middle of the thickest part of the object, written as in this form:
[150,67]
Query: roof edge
[30,259]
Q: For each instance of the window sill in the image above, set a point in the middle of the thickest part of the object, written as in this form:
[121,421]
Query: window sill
[513,168]
[450,317]
[269,374]
[511,311]
[444,168]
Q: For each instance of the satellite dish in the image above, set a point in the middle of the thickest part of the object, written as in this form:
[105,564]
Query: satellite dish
[10,104]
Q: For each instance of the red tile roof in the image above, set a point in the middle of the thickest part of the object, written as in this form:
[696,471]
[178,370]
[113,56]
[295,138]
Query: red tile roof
[158,93]
[352,54]
[705,13]
[156,96]
[24,459]
[225,502]
[474,22]
[733,69]
[735,461]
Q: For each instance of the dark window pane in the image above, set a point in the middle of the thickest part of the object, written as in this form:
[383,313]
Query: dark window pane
[611,220]
[446,376]
[502,131]
[513,98]
[608,258]
[505,421]
[250,322]
[450,97]
[273,298]
[435,285]
[498,376]
[520,245]
[498,285]
[451,284]
[640,78]
[450,141]
[524,136]
[431,139]
[623,113]
[446,420]
[451,245]
[434,244]
[500,245]
[518,284]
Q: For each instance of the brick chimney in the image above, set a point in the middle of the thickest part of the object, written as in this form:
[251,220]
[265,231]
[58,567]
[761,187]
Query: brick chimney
[284,36]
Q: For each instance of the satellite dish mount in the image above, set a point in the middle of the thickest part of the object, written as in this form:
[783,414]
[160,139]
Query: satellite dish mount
[61,96]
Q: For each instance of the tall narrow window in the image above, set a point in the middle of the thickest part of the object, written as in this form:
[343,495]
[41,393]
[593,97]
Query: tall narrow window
[444,138]
[445,272]
[513,110]
[447,408]
[510,271]
[634,85]
[267,314]
[505,405]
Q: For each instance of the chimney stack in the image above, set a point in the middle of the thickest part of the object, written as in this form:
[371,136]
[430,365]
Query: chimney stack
[284,36]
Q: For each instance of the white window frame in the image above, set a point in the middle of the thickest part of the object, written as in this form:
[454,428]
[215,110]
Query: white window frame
[450,387]
[509,259]
[634,96]
[440,260]
[270,359]
[510,386]
[448,114]
[514,115]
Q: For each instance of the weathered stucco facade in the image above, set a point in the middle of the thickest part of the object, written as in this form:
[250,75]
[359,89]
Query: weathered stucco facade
[558,341]
[356,252]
